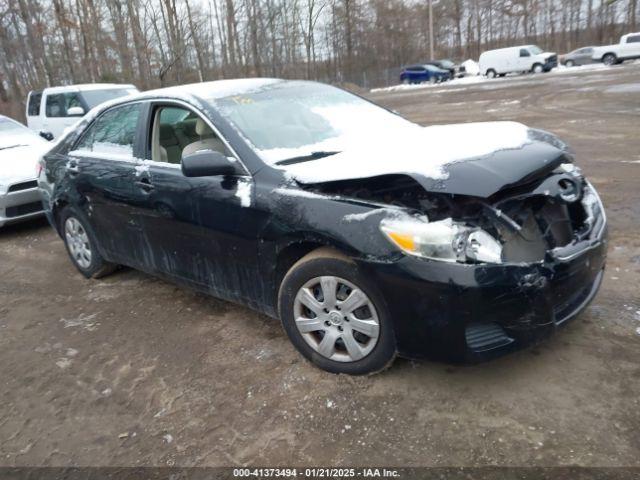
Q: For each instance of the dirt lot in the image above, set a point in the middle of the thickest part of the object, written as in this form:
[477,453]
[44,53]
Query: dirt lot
[131,370]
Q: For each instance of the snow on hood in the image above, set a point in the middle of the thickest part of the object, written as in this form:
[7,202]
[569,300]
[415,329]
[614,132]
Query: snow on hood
[18,163]
[424,151]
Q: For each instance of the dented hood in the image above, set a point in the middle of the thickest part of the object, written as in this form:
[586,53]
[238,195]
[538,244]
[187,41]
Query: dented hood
[476,159]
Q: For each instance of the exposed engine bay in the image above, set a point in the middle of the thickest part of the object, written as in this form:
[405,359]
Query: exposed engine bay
[529,219]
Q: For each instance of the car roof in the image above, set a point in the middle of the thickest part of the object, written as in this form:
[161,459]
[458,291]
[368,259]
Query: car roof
[194,93]
[87,87]
[216,88]
[508,48]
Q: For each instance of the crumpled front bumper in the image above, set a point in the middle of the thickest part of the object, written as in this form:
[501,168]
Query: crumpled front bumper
[473,312]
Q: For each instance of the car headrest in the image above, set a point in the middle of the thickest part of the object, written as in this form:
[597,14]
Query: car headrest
[168,136]
[202,128]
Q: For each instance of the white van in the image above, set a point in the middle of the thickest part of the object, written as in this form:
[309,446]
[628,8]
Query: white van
[527,58]
[53,109]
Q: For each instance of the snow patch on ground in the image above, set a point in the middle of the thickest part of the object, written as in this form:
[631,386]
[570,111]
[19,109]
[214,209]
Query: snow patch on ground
[624,88]
[470,80]
[475,79]
[84,321]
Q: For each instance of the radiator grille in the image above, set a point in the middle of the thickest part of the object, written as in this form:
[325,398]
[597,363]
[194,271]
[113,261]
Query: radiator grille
[24,209]
[16,187]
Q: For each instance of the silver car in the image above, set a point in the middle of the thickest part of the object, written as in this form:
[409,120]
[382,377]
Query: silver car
[20,152]
[581,56]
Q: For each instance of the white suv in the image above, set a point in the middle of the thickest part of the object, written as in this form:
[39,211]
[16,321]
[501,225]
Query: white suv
[53,109]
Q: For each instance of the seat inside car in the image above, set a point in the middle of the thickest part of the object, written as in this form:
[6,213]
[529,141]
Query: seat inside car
[207,140]
[169,145]
[178,132]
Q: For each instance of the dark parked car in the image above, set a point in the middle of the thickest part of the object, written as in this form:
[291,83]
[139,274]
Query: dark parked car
[424,73]
[581,56]
[451,67]
[366,234]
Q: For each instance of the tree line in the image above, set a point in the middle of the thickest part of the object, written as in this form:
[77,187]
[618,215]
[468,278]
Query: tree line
[154,43]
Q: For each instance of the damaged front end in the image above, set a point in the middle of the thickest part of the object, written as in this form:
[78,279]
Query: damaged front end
[503,270]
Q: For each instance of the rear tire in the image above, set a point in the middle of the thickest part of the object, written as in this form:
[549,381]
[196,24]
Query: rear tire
[335,316]
[491,73]
[610,59]
[82,246]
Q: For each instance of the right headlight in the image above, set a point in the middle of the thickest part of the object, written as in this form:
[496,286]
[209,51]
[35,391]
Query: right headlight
[444,240]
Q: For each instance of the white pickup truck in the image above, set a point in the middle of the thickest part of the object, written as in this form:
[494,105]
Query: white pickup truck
[52,110]
[627,49]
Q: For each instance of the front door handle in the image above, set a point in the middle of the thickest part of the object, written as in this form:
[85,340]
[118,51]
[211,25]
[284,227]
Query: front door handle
[72,167]
[145,185]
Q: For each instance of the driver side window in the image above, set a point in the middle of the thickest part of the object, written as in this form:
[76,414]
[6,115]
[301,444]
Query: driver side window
[524,52]
[113,133]
[177,132]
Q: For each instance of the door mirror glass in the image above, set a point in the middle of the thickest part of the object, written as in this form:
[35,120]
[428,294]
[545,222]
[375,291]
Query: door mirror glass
[207,163]
[75,112]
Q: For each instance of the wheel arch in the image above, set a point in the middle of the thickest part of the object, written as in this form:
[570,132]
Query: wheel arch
[294,250]
[57,207]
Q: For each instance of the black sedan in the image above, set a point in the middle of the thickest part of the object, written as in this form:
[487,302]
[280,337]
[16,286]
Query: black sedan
[367,235]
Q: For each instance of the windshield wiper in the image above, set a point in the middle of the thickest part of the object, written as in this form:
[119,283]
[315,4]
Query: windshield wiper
[305,158]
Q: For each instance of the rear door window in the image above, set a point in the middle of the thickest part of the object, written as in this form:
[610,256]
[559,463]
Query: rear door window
[633,39]
[114,132]
[59,103]
[34,104]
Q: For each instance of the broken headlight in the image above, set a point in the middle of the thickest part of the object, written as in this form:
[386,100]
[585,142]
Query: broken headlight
[444,240]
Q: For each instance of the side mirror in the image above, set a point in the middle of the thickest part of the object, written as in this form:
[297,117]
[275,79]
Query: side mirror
[75,112]
[46,135]
[207,163]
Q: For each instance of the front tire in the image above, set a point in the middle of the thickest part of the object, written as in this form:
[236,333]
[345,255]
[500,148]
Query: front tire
[491,73]
[537,68]
[334,315]
[81,245]
[569,63]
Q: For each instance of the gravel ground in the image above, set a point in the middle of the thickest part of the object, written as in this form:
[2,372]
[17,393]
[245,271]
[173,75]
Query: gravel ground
[130,370]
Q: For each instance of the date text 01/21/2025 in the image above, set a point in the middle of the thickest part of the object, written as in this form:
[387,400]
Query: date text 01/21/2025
[317,472]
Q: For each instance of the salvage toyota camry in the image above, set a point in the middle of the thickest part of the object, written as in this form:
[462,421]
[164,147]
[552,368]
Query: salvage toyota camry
[367,235]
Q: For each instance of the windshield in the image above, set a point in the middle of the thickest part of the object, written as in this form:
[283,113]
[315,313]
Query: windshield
[535,50]
[297,119]
[446,64]
[96,97]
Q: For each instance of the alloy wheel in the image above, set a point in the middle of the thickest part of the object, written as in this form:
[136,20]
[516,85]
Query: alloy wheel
[78,242]
[336,318]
